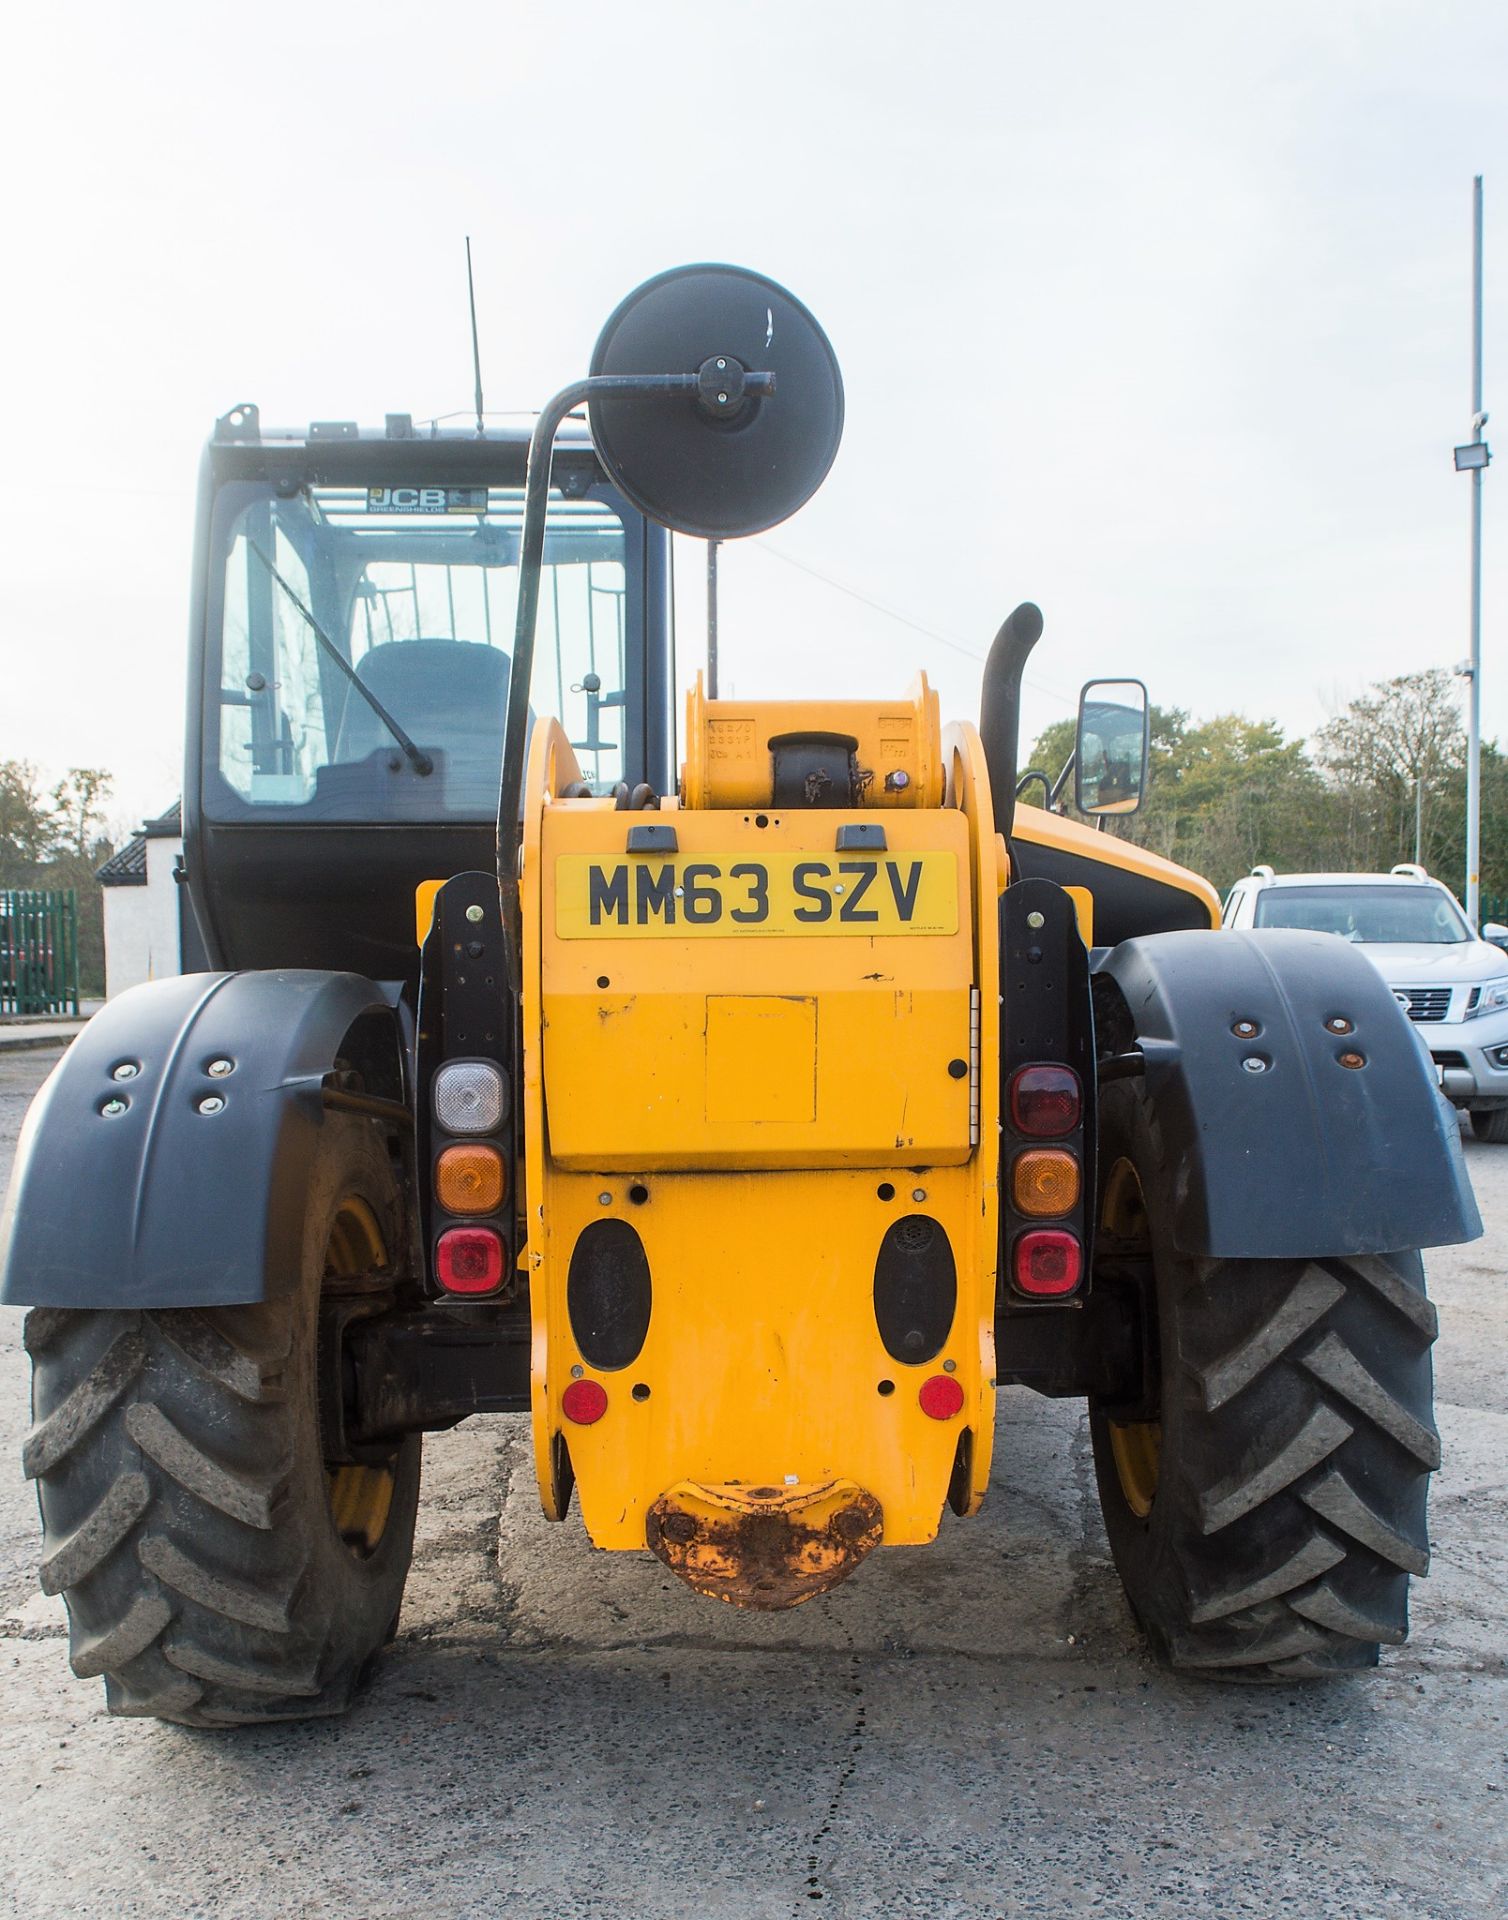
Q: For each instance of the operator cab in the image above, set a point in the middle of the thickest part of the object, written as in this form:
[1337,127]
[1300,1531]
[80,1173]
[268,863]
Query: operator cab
[352,633]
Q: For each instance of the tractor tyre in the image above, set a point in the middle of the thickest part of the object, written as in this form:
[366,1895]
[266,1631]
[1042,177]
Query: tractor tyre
[1491,1124]
[1265,1502]
[216,1571]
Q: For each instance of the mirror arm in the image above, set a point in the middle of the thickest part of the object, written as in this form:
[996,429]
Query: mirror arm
[1035,773]
[1062,780]
[530,564]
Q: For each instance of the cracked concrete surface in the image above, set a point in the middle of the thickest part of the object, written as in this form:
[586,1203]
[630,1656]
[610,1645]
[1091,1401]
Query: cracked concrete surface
[962,1731]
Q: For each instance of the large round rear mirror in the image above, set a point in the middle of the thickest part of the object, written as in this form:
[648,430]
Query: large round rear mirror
[718,463]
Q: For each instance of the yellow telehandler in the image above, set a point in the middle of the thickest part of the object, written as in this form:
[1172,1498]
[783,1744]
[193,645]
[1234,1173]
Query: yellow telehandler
[748,1123]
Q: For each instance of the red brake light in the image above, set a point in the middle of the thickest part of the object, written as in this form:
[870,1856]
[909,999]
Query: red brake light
[940,1397]
[469,1260]
[1047,1262]
[1045,1101]
[584,1401]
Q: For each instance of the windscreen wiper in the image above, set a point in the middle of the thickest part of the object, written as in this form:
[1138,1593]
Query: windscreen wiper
[418,759]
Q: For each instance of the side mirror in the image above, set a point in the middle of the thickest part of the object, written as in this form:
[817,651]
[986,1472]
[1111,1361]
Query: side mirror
[1110,766]
[1494,932]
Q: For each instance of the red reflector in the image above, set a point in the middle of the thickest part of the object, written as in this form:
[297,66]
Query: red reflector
[584,1401]
[1048,1262]
[941,1396]
[1045,1101]
[469,1260]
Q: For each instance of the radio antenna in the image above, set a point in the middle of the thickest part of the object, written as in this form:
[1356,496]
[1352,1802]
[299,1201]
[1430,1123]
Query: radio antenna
[476,349]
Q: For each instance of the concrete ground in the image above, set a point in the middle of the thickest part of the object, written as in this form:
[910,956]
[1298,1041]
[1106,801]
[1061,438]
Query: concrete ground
[964,1731]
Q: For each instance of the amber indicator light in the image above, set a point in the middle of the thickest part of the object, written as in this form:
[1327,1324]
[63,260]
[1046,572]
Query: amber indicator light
[1045,1183]
[470,1179]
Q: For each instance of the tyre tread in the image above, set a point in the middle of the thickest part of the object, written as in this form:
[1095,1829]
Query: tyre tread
[1232,1499]
[1316,1293]
[231,1599]
[240,1496]
[96,1537]
[1333,1362]
[54,1437]
[124,1639]
[1317,1555]
[1325,1607]
[1335,1500]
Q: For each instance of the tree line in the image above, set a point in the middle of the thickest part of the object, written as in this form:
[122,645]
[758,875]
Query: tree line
[1383,778]
[1383,781]
[58,839]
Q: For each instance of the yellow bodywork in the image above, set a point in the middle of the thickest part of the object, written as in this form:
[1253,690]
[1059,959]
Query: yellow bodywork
[760,1104]
[761,1052]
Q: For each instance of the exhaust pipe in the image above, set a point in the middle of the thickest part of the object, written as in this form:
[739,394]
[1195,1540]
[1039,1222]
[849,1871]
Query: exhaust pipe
[1000,708]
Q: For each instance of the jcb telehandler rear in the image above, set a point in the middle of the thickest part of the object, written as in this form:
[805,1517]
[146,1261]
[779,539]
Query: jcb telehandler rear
[749,1126]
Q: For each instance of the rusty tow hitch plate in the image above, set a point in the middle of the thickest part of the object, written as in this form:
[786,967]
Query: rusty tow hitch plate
[765,1547]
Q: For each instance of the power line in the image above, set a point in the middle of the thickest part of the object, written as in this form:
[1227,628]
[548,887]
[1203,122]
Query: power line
[864,599]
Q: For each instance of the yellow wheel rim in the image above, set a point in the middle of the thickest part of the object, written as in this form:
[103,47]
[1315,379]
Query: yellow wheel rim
[361,1497]
[1135,1445]
[360,1500]
[1136,1448]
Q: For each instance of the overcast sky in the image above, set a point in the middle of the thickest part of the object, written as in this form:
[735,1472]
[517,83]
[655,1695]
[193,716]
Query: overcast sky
[1159,316]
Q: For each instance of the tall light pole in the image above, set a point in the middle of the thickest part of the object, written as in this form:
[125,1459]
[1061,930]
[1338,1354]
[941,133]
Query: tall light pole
[1473,459]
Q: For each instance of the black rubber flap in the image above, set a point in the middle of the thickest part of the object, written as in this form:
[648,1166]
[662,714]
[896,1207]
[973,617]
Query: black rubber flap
[608,1294]
[915,1289]
[718,478]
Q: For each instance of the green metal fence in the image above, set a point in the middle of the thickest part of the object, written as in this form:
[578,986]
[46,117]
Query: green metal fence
[1494,906]
[39,951]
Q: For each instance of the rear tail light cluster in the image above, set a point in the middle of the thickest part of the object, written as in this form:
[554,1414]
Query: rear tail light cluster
[467,1025]
[470,1175]
[1044,1196]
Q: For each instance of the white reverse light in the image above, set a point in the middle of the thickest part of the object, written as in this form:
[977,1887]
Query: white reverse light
[468,1096]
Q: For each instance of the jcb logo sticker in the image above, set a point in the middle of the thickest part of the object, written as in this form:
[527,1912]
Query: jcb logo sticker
[426,499]
[878,896]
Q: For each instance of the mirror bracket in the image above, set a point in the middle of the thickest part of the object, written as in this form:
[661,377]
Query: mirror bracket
[665,386]
[716,462]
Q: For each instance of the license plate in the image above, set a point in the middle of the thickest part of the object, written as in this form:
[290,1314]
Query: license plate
[876,896]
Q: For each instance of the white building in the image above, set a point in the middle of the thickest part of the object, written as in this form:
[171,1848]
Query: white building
[149,932]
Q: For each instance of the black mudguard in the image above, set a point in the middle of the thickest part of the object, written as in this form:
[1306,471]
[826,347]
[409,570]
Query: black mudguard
[159,1203]
[1302,1155]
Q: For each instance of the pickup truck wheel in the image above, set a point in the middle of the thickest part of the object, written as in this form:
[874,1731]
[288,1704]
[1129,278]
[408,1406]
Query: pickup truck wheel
[1490,1123]
[215,1569]
[1265,1504]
